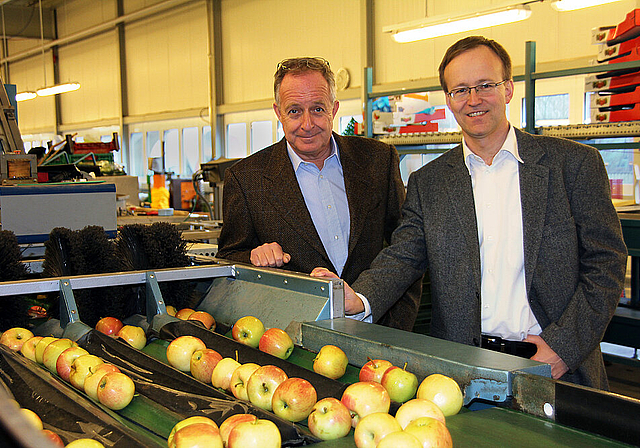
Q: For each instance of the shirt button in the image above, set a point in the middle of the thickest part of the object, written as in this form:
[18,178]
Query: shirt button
[490,237]
[321,176]
[328,206]
[335,237]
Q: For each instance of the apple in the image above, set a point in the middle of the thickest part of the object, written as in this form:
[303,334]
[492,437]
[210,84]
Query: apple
[331,362]
[443,391]
[207,319]
[294,398]
[374,369]
[81,368]
[116,390]
[109,326]
[53,351]
[189,421]
[53,438]
[181,349]
[171,310]
[202,364]
[261,433]
[65,360]
[416,408]
[85,443]
[248,330]
[33,418]
[430,432]
[276,342]
[227,426]
[372,428]
[184,313]
[329,419]
[364,398]
[197,435]
[399,439]
[221,376]
[401,384]
[92,381]
[240,378]
[133,335]
[42,344]
[15,337]
[28,349]
[262,384]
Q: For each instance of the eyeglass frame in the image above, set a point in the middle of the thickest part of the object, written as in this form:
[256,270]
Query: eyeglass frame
[283,66]
[489,85]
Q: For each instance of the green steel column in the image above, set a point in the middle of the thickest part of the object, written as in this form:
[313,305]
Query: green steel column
[530,86]
[367,87]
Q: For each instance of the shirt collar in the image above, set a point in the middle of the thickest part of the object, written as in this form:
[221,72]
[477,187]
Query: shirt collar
[510,145]
[296,160]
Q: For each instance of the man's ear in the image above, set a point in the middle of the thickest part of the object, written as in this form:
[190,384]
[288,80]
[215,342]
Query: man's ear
[276,109]
[508,91]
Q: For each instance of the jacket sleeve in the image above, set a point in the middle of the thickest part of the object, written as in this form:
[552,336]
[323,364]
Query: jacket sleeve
[238,237]
[396,196]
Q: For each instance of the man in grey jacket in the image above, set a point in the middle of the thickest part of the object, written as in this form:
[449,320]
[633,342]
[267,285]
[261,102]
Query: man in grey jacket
[522,243]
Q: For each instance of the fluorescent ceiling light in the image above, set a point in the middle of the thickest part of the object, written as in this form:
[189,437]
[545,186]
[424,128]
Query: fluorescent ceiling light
[445,25]
[59,88]
[24,96]
[570,5]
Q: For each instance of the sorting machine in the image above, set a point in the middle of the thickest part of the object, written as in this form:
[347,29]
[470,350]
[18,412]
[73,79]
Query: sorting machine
[509,401]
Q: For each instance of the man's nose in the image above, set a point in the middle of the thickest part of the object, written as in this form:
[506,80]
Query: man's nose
[474,98]
[307,121]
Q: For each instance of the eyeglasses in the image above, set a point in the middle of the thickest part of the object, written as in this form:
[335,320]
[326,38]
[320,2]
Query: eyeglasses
[298,63]
[483,90]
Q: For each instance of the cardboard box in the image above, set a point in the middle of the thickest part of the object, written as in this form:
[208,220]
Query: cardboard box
[628,29]
[603,82]
[632,96]
[602,34]
[417,128]
[607,53]
[613,116]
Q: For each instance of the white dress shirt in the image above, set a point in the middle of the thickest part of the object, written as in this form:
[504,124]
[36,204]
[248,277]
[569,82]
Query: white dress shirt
[506,312]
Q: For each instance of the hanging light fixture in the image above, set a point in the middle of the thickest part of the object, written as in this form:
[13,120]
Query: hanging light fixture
[24,96]
[444,25]
[570,5]
[58,88]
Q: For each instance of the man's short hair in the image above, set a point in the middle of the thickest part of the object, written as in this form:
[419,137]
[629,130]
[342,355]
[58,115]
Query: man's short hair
[297,66]
[469,43]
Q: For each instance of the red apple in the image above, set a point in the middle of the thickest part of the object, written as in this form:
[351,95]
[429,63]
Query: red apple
[399,439]
[184,313]
[364,398]
[197,435]
[416,408]
[329,419]
[171,310]
[109,326]
[331,362]
[65,360]
[81,368]
[53,438]
[248,330]
[221,376]
[227,426]
[134,336]
[261,433]
[116,390]
[443,391]
[294,398]
[263,383]
[181,349]
[401,384]
[92,381]
[276,342]
[430,432]
[42,344]
[372,428]
[239,379]
[207,319]
[28,349]
[374,369]
[53,351]
[32,418]
[15,337]
[85,443]
[202,364]
[198,419]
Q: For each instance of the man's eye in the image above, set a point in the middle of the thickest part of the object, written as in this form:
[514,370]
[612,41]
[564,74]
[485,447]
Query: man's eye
[319,109]
[461,91]
[293,111]
[485,86]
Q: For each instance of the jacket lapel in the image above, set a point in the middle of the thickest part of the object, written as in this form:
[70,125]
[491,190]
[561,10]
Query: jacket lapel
[460,192]
[534,183]
[285,196]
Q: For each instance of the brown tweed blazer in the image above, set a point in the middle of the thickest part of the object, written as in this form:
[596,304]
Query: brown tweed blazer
[262,203]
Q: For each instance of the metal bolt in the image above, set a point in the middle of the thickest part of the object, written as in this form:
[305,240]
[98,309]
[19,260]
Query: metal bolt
[285,281]
[548,409]
[259,276]
[322,288]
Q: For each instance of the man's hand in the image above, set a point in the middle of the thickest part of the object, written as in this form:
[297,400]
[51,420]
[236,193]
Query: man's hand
[547,355]
[352,303]
[269,254]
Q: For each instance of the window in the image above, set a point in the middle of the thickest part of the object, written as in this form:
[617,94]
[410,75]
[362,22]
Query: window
[27,146]
[154,151]
[551,110]
[261,135]
[171,139]
[190,152]
[207,149]
[279,132]
[138,165]
[345,120]
[236,140]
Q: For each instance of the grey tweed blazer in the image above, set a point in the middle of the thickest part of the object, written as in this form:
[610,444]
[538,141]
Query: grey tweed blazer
[575,257]
[263,203]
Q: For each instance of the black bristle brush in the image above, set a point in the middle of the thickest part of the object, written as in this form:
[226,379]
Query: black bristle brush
[14,308]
